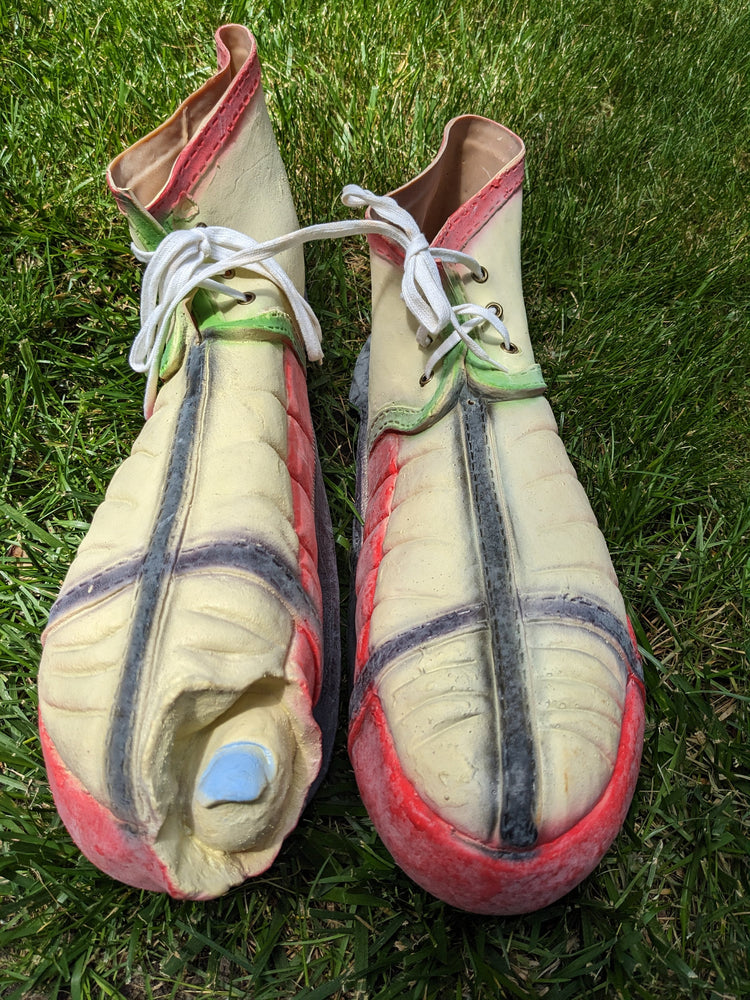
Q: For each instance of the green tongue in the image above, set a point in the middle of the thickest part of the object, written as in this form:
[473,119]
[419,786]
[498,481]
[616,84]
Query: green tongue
[272,325]
[144,228]
[458,368]
[482,376]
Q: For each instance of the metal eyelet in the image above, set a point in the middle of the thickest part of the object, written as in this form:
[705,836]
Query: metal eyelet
[201,225]
[483,276]
[249,296]
[424,379]
[230,273]
[510,350]
[496,308]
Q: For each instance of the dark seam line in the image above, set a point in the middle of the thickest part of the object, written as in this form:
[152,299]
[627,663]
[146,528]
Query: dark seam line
[255,558]
[516,816]
[540,608]
[158,564]
[326,708]
[400,645]
[243,554]
[95,588]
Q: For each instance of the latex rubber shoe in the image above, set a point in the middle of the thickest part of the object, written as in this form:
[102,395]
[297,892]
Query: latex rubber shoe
[496,717]
[189,680]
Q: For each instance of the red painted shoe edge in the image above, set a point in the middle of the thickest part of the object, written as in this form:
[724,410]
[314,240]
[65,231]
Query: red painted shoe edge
[105,841]
[466,873]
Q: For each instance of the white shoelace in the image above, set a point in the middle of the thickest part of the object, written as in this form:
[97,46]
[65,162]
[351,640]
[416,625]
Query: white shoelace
[422,288]
[188,259]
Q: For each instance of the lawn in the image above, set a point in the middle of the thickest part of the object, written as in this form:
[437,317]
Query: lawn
[635,249]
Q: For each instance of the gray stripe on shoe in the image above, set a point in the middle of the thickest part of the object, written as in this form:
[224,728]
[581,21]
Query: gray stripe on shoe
[517,761]
[157,567]
[587,612]
[243,554]
[453,622]
[254,558]
[95,588]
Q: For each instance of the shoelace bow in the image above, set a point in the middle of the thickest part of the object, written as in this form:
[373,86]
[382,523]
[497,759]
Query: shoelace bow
[188,259]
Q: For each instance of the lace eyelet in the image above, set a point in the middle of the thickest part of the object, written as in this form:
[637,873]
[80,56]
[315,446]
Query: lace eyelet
[483,276]
[230,273]
[424,379]
[250,297]
[496,308]
[201,225]
[510,350]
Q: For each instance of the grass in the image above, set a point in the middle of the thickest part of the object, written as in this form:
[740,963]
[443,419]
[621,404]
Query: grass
[635,255]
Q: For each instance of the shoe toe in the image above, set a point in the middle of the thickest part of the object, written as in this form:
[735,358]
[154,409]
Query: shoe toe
[447,724]
[488,820]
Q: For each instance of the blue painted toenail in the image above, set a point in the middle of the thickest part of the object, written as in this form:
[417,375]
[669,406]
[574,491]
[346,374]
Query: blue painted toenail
[237,772]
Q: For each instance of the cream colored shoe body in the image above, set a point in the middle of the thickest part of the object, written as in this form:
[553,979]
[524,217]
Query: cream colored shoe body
[497,710]
[191,659]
